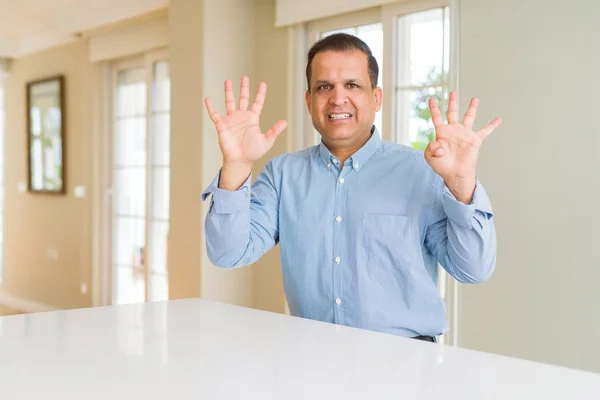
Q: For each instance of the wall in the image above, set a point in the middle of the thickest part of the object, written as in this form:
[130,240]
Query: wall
[271,66]
[210,42]
[534,64]
[37,223]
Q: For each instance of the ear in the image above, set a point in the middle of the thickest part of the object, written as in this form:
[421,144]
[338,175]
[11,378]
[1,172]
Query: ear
[378,98]
[308,102]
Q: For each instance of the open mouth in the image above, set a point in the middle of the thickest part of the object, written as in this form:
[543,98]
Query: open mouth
[339,116]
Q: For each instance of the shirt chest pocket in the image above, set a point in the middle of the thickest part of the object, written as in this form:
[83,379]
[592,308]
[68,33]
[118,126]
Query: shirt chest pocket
[386,240]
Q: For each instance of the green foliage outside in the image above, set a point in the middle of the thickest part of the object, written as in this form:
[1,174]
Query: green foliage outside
[420,106]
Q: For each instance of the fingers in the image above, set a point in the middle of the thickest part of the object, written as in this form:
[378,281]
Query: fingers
[486,130]
[453,108]
[244,93]
[436,115]
[469,118]
[275,130]
[259,101]
[212,112]
[229,97]
[434,149]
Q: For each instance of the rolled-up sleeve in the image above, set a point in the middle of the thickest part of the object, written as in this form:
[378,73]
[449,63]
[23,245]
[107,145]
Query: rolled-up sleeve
[241,225]
[462,236]
[226,201]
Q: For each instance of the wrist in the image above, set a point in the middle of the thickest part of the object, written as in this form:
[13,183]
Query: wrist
[233,175]
[462,189]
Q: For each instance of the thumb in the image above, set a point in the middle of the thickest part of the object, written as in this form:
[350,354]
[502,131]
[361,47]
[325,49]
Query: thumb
[275,130]
[434,149]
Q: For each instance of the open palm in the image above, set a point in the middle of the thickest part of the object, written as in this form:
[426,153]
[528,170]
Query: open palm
[454,152]
[240,137]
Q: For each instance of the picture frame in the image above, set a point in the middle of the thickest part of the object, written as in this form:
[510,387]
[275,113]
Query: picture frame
[46,135]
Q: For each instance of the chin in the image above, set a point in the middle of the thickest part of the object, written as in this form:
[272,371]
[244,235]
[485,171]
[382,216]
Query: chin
[339,135]
[340,132]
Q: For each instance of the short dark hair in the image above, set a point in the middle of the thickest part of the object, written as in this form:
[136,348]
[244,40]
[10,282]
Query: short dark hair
[342,42]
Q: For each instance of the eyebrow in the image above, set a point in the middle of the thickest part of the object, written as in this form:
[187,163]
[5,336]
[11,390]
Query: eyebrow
[324,82]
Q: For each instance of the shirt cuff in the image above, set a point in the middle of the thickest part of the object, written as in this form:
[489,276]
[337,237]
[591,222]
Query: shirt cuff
[226,201]
[463,214]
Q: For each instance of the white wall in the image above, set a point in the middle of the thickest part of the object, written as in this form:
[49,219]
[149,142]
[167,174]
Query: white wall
[536,63]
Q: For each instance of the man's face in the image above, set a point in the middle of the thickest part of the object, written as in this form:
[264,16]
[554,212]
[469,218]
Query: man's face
[341,102]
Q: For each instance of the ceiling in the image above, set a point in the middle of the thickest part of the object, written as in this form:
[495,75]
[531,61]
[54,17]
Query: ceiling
[27,26]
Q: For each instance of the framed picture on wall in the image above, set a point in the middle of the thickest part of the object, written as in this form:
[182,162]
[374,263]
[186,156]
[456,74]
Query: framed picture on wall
[46,135]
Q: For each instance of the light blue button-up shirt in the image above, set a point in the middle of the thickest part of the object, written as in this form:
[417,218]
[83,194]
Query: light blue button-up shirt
[360,246]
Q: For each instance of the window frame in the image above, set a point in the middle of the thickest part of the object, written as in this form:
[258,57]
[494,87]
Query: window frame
[145,61]
[387,15]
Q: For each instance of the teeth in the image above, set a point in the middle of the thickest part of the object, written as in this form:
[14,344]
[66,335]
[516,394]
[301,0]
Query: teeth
[339,116]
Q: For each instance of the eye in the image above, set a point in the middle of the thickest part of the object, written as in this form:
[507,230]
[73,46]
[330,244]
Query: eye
[324,87]
[352,86]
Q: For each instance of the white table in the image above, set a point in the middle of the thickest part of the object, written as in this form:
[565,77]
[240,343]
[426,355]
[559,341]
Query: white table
[198,349]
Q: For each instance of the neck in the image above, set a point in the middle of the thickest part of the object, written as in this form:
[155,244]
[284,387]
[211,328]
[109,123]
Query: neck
[344,151]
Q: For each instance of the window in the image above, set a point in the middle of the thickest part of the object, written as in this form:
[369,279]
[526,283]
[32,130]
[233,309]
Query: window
[140,179]
[422,72]
[411,42]
[372,35]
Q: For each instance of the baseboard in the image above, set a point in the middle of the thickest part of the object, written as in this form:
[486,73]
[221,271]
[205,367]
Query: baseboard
[25,305]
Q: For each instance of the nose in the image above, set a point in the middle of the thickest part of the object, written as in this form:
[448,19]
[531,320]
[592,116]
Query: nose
[338,97]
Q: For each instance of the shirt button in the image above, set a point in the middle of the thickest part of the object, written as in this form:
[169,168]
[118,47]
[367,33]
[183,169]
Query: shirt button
[338,301]
[338,218]
[335,161]
[355,165]
[341,180]
[328,165]
[337,260]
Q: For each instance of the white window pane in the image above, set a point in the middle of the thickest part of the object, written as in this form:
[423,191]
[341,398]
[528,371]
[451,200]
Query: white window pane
[37,176]
[372,35]
[131,93]
[161,94]
[36,121]
[129,240]
[130,141]
[446,40]
[161,152]
[52,162]
[160,192]
[159,234]
[350,31]
[129,286]
[421,44]
[158,289]
[130,192]
[414,117]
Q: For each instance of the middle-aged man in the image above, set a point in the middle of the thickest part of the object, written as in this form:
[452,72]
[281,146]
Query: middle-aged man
[362,222]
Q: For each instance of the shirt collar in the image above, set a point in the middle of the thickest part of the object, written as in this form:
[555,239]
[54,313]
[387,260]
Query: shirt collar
[359,158]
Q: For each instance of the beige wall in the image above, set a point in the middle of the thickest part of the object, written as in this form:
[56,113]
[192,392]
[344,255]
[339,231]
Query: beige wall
[271,66]
[211,42]
[208,43]
[35,224]
[186,50]
[532,64]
